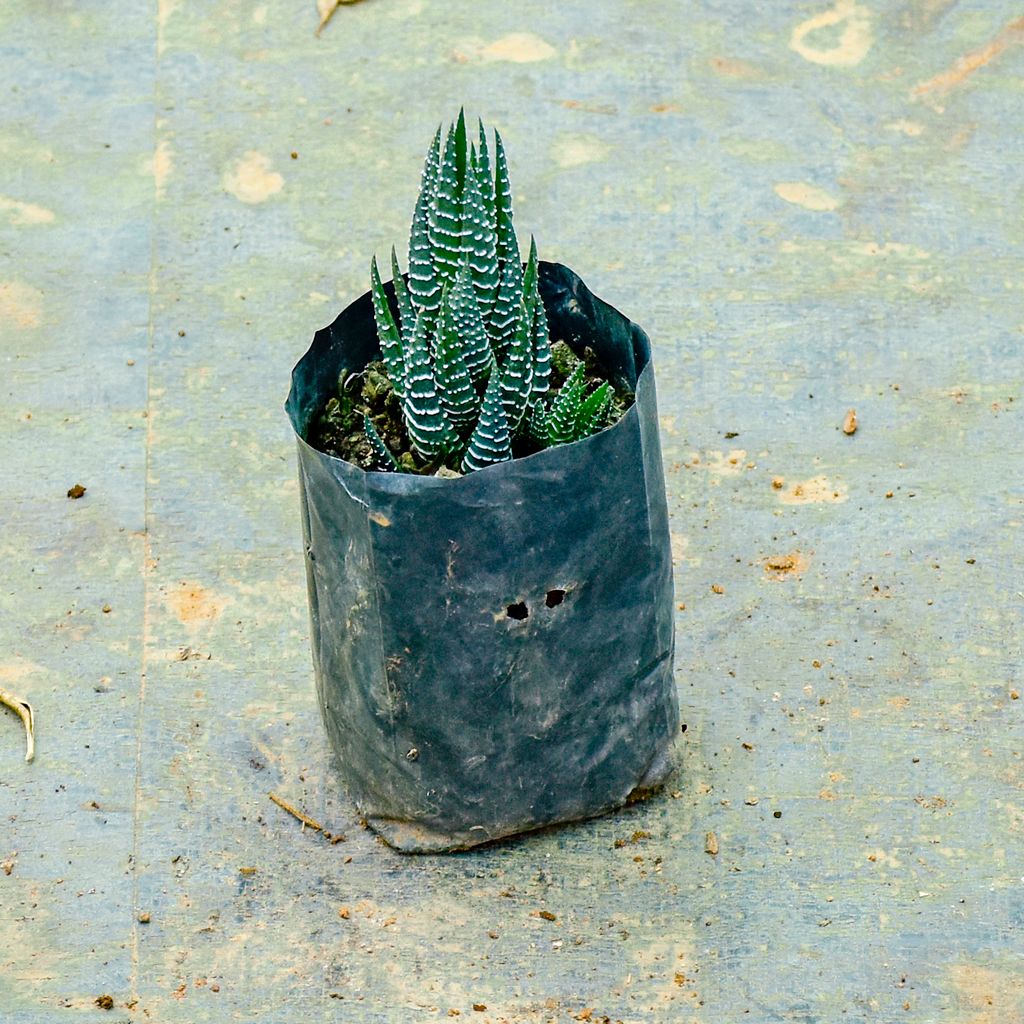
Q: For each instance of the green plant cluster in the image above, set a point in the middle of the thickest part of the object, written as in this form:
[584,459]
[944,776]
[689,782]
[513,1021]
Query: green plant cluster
[468,353]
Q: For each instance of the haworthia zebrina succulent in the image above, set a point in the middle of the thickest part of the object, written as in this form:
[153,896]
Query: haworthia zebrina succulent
[469,352]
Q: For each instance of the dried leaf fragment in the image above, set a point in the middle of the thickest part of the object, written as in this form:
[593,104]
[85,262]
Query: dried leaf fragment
[326,9]
[850,422]
[24,711]
[711,844]
[296,813]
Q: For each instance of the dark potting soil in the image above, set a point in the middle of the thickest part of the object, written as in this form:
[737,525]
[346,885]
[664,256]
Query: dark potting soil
[338,430]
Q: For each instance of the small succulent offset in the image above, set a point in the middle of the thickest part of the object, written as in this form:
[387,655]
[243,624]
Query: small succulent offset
[468,354]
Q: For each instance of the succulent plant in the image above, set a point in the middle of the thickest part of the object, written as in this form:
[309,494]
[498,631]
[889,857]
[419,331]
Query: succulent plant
[468,353]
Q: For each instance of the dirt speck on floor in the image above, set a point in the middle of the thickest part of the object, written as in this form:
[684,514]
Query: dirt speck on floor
[815,491]
[76,491]
[787,566]
[638,836]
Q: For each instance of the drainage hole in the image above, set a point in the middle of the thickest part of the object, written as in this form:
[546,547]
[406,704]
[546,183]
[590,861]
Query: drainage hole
[518,611]
[554,598]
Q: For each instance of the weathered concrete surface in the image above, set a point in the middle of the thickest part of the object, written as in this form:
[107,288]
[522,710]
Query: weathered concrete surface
[811,208]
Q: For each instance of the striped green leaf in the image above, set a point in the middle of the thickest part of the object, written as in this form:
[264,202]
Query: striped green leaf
[541,340]
[461,147]
[445,218]
[454,383]
[530,270]
[383,460]
[479,241]
[537,424]
[593,414]
[486,178]
[391,349]
[406,316]
[423,284]
[428,427]
[508,247]
[517,369]
[565,409]
[541,349]
[490,441]
[504,318]
[462,318]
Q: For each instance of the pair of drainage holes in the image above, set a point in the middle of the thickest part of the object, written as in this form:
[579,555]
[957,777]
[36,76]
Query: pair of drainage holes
[520,611]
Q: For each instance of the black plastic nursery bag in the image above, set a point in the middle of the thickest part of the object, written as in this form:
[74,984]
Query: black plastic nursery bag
[493,653]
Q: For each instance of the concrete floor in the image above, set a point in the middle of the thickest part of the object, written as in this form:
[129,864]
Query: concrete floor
[810,209]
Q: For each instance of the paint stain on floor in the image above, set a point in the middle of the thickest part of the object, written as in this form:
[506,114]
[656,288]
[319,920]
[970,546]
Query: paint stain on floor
[1012,34]
[988,995]
[576,150]
[853,22]
[20,304]
[514,48]
[22,214]
[160,166]
[730,67]
[519,48]
[810,197]
[251,180]
[192,603]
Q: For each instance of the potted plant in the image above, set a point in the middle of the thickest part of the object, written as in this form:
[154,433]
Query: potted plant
[486,531]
